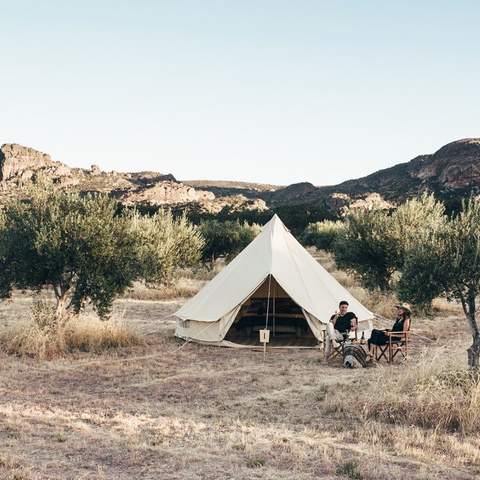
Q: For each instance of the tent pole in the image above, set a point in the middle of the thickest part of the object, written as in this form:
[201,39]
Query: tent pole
[268,300]
[274,297]
[266,319]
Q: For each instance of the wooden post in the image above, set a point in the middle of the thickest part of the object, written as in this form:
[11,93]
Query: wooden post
[264,338]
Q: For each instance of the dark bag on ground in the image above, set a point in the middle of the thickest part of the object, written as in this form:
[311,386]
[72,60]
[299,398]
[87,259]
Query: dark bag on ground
[354,356]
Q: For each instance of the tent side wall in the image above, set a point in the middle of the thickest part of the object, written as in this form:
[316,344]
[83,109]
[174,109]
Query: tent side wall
[212,332]
[199,331]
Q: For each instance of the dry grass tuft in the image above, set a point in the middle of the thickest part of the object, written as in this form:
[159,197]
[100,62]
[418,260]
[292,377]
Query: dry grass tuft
[90,334]
[344,278]
[183,288]
[166,292]
[349,469]
[10,468]
[430,394]
[382,304]
[442,306]
[46,336]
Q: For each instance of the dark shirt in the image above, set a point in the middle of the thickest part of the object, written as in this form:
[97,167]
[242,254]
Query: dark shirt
[344,322]
[398,325]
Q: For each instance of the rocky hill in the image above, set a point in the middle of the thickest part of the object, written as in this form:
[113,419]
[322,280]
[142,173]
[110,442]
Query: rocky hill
[452,171]
[22,166]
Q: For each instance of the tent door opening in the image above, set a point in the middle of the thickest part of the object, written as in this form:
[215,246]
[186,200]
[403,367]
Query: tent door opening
[272,308]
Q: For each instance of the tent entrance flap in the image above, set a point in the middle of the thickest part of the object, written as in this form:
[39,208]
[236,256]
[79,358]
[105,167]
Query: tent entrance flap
[272,308]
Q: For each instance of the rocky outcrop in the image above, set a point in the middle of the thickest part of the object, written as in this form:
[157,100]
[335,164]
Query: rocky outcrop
[454,166]
[234,203]
[343,203]
[166,192]
[20,164]
[146,179]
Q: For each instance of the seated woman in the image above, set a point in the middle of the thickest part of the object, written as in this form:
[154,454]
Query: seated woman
[402,324]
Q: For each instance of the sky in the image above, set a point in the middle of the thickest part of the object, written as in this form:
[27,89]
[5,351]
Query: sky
[267,91]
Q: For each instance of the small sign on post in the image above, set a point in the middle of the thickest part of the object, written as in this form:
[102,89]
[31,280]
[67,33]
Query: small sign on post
[264,338]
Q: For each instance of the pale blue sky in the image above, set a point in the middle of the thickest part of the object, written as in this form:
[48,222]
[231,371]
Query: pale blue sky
[268,91]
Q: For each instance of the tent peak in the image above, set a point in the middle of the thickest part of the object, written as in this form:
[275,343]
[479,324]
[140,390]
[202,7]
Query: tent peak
[276,225]
[275,220]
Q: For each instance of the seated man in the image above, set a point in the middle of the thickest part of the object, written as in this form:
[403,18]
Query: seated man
[343,320]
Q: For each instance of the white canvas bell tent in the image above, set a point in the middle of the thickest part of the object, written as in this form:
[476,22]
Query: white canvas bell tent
[273,283]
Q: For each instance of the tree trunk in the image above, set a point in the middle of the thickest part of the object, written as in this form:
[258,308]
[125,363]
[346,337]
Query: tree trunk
[63,301]
[474,350]
[474,354]
[61,308]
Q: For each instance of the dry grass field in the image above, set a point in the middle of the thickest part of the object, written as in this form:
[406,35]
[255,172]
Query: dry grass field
[162,409]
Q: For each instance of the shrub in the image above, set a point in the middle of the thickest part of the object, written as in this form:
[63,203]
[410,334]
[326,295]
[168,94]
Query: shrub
[322,235]
[164,245]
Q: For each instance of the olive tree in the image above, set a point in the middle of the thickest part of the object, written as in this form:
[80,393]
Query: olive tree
[367,248]
[84,250]
[373,243]
[446,260]
[226,238]
[164,244]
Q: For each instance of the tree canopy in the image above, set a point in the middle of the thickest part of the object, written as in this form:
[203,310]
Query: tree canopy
[226,238]
[373,243]
[85,251]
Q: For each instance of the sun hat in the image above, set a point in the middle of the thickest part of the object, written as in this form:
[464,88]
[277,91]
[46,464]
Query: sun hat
[405,306]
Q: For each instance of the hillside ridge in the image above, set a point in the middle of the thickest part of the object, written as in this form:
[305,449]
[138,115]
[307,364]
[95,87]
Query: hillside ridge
[453,170]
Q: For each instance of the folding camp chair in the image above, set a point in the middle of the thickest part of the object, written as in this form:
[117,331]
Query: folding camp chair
[336,340]
[397,343]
